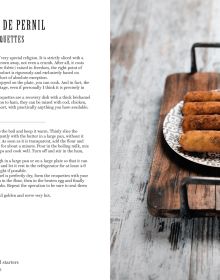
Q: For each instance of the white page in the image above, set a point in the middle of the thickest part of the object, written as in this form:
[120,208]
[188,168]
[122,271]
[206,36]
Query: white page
[54,229]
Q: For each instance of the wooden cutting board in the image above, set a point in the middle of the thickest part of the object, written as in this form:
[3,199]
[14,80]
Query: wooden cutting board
[168,168]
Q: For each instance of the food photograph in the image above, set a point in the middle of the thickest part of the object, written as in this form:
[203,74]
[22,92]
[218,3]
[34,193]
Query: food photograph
[165,140]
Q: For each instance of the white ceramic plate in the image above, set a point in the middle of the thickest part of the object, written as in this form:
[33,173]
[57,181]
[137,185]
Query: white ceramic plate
[172,129]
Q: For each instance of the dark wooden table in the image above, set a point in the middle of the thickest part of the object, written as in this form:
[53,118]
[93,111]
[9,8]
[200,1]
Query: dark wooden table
[150,40]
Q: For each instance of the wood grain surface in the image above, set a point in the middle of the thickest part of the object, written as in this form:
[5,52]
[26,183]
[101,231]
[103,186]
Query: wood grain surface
[168,168]
[149,41]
